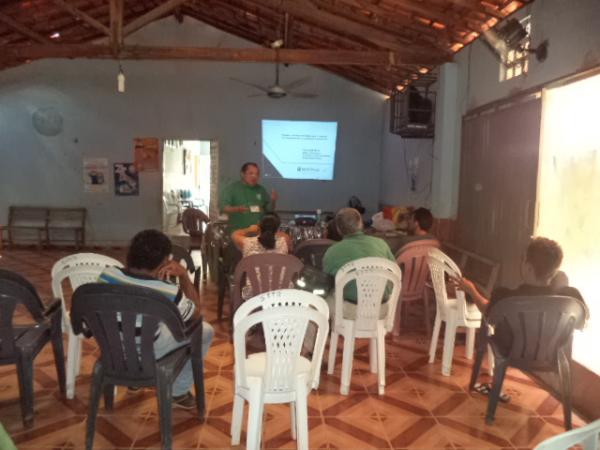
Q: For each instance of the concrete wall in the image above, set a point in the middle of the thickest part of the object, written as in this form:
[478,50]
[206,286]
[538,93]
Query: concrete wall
[572,29]
[177,100]
[396,153]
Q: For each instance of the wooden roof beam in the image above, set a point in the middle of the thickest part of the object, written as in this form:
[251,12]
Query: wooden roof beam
[22,29]
[83,16]
[151,16]
[308,12]
[116,24]
[292,56]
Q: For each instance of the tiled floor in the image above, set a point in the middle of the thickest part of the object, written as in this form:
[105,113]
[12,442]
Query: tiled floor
[421,409]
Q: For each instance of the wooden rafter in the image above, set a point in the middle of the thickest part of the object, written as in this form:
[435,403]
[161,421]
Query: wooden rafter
[151,16]
[83,16]
[22,29]
[292,56]
[310,13]
[116,25]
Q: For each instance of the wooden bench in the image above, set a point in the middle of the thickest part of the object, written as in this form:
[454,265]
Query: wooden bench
[482,271]
[46,225]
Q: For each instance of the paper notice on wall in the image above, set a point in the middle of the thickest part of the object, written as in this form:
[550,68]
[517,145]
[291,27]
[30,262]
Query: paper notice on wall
[95,175]
[147,154]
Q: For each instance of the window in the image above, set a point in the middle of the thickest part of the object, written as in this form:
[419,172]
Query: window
[517,61]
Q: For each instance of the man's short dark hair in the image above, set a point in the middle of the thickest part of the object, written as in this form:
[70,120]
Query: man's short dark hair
[148,249]
[424,218]
[249,164]
[545,256]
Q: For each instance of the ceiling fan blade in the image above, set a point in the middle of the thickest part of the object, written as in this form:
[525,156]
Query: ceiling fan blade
[302,95]
[257,86]
[297,83]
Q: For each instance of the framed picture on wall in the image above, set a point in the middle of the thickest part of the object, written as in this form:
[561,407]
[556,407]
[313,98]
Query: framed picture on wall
[147,154]
[126,179]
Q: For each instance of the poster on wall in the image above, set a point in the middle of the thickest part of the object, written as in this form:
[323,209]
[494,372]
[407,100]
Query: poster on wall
[147,154]
[126,179]
[95,175]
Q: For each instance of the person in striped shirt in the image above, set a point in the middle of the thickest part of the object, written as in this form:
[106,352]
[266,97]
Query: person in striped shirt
[149,265]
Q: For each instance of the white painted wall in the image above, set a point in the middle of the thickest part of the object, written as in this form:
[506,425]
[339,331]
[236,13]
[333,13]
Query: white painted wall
[396,152]
[177,100]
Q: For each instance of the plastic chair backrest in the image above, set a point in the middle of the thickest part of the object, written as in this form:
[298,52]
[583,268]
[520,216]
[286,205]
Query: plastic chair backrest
[14,290]
[311,251]
[112,313]
[79,269]
[180,255]
[264,272]
[281,298]
[441,264]
[412,259]
[371,276]
[588,437]
[539,326]
[285,330]
[192,220]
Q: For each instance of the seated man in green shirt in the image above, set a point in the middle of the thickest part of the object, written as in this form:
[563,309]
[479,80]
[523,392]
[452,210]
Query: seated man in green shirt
[246,201]
[354,245]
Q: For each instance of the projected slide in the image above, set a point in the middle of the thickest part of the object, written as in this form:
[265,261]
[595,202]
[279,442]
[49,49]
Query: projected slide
[298,150]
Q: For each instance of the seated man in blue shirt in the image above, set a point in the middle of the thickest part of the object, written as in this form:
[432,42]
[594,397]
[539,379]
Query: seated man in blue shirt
[148,265]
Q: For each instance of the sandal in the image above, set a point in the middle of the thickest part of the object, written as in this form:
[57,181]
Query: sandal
[486,388]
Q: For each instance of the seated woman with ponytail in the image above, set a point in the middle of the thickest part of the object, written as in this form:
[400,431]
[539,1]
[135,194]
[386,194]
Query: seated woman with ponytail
[262,238]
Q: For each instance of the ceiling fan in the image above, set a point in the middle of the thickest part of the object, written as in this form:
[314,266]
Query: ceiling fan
[278,90]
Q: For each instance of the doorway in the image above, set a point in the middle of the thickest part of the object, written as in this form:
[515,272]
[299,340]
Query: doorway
[188,178]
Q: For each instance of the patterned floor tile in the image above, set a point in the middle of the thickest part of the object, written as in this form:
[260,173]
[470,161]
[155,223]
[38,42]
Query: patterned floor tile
[421,408]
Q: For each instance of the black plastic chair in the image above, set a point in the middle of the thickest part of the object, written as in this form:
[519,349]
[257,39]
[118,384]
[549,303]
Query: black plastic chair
[20,344]
[229,258]
[533,333]
[109,314]
[312,251]
[180,254]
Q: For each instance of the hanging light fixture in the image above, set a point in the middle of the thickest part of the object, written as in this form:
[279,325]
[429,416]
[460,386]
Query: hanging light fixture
[121,80]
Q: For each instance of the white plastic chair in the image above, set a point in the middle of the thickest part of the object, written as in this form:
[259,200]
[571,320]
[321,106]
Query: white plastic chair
[280,374]
[371,276]
[588,437]
[456,312]
[80,268]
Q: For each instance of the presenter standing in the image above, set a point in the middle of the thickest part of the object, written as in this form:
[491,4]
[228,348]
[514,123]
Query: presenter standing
[246,201]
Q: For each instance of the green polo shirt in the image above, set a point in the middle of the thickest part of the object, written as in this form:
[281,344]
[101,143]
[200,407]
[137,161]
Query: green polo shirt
[354,246]
[240,194]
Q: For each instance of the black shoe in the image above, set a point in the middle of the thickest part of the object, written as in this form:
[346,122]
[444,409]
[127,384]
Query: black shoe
[185,401]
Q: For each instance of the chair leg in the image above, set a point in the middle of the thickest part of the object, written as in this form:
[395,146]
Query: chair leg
[78,344]
[347,358]
[373,355]
[427,311]
[59,358]
[494,394]
[470,342]
[237,416]
[255,412]
[333,343]
[381,359]
[293,420]
[109,396]
[198,373]
[72,348]
[25,375]
[398,319]
[96,391]
[564,375]
[302,414]
[164,394]
[221,296]
[477,364]
[449,338]
[434,338]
